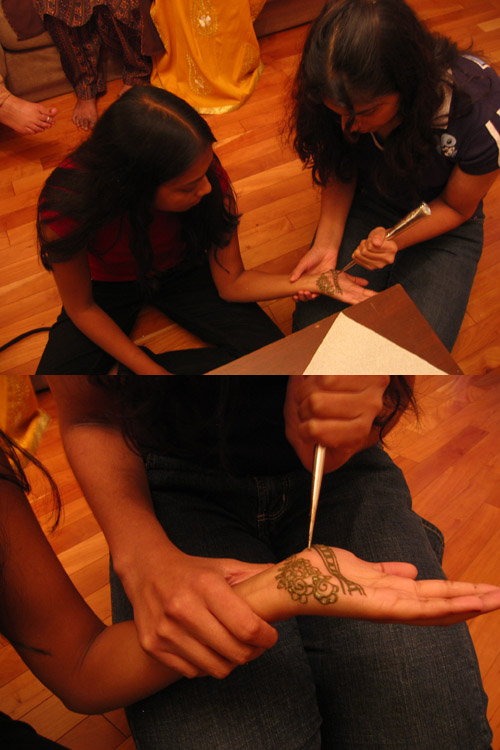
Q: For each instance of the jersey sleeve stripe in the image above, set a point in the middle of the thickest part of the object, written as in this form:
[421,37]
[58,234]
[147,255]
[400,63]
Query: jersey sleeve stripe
[495,135]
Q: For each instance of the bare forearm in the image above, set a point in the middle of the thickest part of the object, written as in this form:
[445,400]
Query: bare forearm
[112,476]
[115,671]
[336,200]
[443,218]
[258,286]
[114,483]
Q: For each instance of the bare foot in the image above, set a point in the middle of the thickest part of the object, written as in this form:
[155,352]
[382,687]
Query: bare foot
[125,87]
[26,117]
[85,114]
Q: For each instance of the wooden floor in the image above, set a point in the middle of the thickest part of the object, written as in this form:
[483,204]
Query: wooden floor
[451,464]
[279,204]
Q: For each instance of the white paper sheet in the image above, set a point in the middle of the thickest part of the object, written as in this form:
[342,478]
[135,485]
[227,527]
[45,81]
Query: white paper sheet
[350,348]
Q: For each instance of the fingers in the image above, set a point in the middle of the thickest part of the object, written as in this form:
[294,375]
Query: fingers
[207,646]
[316,260]
[235,571]
[191,658]
[377,237]
[336,411]
[354,288]
[304,296]
[434,602]
[372,256]
[247,629]
[348,278]
[445,611]
[354,297]
[452,589]
[196,623]
[352,403]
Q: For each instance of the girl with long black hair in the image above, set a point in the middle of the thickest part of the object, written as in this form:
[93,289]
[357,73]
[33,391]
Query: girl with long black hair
[144,212]
[388,114]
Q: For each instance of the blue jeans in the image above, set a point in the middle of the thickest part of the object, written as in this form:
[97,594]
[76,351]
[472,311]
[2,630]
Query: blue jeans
[436,274]
[328,683]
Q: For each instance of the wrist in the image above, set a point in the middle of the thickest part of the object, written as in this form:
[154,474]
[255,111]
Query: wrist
[141,363]
[139,548]
[269,602]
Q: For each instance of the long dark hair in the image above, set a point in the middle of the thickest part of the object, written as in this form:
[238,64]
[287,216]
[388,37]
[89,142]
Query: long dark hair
[359,50]
[144,139]
[14,470]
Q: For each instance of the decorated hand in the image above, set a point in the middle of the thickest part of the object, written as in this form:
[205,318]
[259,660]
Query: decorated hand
[315,261]
[332,283]
[334,582]
[344,287]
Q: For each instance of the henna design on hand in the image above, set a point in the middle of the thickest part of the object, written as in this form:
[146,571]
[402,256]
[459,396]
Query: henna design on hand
[302,579]
[326,286]
[331,563]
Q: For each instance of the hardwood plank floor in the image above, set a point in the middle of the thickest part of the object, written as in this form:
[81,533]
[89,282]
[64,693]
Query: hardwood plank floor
[280,206]
[450,459]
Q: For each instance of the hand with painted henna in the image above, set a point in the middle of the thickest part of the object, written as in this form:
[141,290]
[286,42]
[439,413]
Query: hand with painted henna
[341,286]
[333,582]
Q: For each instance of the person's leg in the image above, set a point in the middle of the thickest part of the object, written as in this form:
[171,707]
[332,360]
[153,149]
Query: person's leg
[385,687]
[269,703]
[438,276]
[80,51]
[126,40]
[70,352]
[232,329]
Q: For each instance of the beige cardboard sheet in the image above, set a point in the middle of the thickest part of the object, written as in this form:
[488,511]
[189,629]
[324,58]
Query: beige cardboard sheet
[353,349]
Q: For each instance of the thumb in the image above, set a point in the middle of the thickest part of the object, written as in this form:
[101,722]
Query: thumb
[236,571]
[299,269]
[377,236]
[402,569]
[359,280]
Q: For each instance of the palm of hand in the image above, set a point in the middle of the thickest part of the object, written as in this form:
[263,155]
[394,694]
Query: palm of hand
[385,592]
[354,289]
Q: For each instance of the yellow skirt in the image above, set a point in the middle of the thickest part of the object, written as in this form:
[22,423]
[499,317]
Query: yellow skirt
[20,416]
[212,57]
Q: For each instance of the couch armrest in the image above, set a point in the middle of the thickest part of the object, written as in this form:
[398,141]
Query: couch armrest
[277,15]
[9,40]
